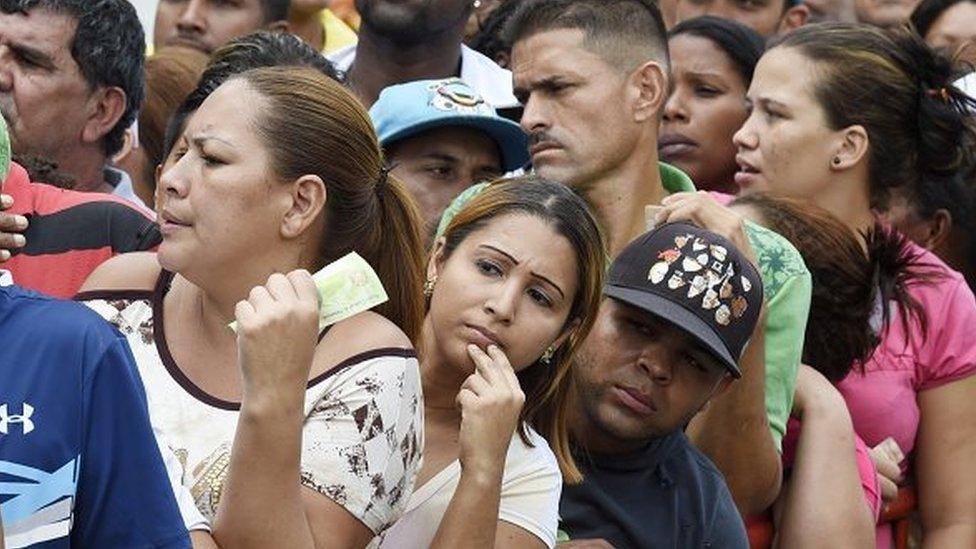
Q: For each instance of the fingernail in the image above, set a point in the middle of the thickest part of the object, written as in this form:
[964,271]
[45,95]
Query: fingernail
[19,240]
[6,201]
[21,222]
[4,255]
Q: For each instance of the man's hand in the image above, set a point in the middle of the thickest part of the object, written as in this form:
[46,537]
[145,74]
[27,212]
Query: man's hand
[10,228]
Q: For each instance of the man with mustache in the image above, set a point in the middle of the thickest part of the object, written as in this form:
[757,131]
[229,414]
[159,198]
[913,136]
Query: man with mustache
[206,25]
[592,76]
[656,356]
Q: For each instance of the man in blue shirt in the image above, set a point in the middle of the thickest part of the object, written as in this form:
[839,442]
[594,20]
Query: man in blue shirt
[79,466]
[681,305]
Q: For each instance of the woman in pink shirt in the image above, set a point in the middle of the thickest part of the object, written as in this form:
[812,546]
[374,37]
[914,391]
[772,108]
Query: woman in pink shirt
[841,115]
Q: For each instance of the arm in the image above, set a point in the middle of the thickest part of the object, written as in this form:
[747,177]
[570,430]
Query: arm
[733,432]
[823,504]
[490,402]
[946,451]
[264,504]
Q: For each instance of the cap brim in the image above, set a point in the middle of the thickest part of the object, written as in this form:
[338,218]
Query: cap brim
[677,315]
[512,142]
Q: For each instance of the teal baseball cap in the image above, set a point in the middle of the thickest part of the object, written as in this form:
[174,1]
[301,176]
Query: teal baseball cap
[405,110]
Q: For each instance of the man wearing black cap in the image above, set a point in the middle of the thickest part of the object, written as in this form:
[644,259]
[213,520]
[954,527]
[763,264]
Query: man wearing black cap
[681,306]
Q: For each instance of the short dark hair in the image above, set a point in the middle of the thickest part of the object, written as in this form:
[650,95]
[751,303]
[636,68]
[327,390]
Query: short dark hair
[275,10]
[109,47]
[251,51]
[624,32]
[927,11]
[743,45]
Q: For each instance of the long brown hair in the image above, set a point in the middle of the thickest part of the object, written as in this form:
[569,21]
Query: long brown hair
[546,387]
[314,126]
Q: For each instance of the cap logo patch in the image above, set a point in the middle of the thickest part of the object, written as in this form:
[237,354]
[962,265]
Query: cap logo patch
[703,267]
[454,95]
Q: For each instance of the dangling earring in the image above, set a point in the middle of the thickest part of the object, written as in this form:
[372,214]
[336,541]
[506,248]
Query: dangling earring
[477,4]
[547,356]
[429,287]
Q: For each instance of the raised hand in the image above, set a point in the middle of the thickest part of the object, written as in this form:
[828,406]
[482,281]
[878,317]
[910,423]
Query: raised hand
[490,401]
[11,227]
[277,331]
[703,210]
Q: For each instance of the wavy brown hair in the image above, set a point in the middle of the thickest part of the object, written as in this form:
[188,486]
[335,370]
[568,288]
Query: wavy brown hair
[546,387]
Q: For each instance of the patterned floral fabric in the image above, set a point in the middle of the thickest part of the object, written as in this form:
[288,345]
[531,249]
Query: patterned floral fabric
[363,432]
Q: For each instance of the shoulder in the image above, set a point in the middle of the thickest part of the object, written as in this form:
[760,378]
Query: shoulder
[779,261]
[136,271]
[532,461]
[366,332]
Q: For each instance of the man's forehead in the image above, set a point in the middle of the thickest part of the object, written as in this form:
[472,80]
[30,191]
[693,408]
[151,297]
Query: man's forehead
[40,29]
[551,53]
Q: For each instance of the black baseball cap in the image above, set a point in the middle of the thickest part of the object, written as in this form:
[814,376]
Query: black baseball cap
[696,280]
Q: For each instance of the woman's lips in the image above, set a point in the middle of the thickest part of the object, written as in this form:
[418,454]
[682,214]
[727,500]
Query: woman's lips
[675,145]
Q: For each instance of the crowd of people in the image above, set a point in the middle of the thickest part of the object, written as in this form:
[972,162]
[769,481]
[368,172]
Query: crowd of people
[676,273]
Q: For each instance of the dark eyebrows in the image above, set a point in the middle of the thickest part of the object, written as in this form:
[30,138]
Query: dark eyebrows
[515,262]
[199,140]
[33,56]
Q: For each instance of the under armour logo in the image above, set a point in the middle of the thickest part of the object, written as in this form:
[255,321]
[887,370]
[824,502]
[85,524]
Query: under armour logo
[24,419]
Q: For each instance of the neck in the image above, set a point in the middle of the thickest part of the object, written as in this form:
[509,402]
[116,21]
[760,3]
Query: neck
[850,201]
[619,198]
[86,167]
[308,27]
[380,62]
[441,380]
[589,436]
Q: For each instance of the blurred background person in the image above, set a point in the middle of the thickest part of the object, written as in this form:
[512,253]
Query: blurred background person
[712,60]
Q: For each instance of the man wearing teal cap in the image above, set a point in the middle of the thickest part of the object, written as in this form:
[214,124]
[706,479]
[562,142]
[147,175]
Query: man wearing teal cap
[440,137]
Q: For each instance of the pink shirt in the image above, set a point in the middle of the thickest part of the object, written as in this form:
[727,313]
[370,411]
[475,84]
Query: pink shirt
[883,399]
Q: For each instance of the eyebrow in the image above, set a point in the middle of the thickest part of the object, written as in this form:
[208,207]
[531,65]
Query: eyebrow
[33,55]
[535,274]
[199,140]
[439,156]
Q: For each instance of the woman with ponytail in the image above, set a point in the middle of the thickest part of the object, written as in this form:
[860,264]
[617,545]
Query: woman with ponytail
[842,115]
[288,436]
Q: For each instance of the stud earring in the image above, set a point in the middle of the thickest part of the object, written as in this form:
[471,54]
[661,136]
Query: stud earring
[477,4]
[429,287]
[547,356]
[836,161]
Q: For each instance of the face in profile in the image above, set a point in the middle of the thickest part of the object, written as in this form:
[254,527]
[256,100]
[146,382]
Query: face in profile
[785,145]
[706,107]
[884,13]
[205,25]
[220,204]
[638,377]
[411,21]
[762,16]
[576,107]
[510,283]
[439,164]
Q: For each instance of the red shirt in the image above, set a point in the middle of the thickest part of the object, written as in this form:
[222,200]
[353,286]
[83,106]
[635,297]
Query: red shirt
[71,233]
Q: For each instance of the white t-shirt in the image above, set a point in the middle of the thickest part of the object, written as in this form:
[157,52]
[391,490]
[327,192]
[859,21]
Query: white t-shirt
[361,440]
[531,486]
[478,71]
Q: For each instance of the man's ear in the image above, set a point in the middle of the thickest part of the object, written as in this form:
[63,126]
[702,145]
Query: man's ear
[106,106]
[281,25]
[436,261]
[128,145]
[305,202]
[651,84]
[793,18]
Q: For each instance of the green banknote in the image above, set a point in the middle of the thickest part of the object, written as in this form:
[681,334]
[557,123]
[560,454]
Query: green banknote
[346,287]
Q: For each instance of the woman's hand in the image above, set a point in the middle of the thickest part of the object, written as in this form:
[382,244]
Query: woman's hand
[490,401]
[887,457]
[277,331]
[702,210]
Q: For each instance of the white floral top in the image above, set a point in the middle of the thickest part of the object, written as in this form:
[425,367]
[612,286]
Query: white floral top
[363,432]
